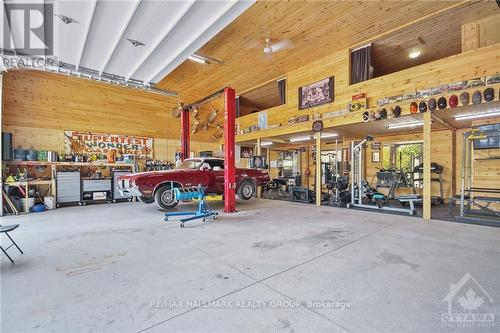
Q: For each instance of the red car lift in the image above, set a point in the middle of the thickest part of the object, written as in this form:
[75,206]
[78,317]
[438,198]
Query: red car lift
[229,155]
[185,134]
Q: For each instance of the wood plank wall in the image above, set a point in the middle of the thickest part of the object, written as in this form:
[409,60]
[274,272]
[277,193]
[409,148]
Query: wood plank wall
[480,62]
[39,106]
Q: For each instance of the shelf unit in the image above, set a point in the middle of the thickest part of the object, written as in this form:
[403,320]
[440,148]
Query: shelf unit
[54,166]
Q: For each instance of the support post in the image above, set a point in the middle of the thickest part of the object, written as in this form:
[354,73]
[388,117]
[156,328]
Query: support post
[229,158]
[318,169]
[259,153]
[427,166]
[185,139]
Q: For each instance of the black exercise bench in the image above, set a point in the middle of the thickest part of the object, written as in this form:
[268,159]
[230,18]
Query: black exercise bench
[6,229]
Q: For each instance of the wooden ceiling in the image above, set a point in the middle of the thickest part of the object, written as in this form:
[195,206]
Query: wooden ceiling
[436,37]
[315,28]
[261,98]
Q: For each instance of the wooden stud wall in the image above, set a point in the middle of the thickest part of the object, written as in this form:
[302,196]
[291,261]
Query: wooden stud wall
[480,62]
[39,106]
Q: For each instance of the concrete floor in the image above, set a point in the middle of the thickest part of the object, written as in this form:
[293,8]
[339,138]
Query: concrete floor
[120,268]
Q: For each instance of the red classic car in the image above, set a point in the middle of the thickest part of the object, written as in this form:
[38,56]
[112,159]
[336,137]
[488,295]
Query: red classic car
[155,186]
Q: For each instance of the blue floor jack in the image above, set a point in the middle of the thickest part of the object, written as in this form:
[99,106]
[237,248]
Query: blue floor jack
[192,193]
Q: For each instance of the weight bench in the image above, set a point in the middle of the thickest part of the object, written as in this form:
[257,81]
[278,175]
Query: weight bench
[482,203]
[411,200]
[6,229]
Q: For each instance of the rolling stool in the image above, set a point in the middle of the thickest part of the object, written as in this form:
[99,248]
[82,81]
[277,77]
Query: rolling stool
[6,229]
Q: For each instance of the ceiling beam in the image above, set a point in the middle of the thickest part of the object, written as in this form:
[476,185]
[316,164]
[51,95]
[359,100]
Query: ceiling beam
[119,37]
[167,31]
[442,122]
[193,44]
[87,29]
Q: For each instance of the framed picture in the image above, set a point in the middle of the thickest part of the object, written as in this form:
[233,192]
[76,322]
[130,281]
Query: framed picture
[376,156]
[246,152]
[317,93]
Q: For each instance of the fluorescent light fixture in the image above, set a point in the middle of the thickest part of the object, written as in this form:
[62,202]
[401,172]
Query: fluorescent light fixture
[414,54]
[478,115]
[328,135]
[300,138]
[414,124]
[266,143]
[197,58]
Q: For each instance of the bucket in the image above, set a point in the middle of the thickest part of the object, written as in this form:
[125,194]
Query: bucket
[49,202]
[31,202]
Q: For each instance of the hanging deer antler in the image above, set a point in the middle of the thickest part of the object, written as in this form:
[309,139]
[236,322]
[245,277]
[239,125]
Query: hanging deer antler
[194,126]
[212,115]
[176,111]
[195,112]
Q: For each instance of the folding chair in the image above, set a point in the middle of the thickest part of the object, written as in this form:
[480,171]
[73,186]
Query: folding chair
[6,229]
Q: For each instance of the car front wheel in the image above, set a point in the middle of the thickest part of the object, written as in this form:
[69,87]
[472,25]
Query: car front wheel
[246,190]
[146,200]
[165,198]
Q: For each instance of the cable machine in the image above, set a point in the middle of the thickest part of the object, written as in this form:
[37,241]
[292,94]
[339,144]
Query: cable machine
[485,138]
[360,188]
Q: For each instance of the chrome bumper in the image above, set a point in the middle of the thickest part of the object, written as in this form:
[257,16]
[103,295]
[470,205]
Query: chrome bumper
[134,191]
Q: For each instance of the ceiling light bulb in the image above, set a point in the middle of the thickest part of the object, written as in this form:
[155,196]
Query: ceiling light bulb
[414,54]
[328,135]
[300,138]
[266,143]
[414,124]
[478,115]
[197,59]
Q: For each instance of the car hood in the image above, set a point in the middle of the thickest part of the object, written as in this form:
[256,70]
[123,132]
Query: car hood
[148,174]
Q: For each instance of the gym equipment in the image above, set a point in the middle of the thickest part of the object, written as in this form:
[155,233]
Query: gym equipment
[435,169]
[467,197]
[391,179]
[361,190]
[192,193]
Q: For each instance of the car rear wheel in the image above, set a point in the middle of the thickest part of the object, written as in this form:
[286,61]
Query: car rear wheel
[165,198]
[246,190]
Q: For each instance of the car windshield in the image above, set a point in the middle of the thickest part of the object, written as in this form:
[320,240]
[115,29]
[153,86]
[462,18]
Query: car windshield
[190,164]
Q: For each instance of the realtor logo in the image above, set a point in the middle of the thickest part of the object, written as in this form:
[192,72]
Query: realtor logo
[468,305]
[28,28]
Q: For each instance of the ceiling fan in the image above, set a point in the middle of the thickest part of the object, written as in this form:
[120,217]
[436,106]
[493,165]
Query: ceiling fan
[278,46]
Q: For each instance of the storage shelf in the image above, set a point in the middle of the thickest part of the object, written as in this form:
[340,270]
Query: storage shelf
[128,165]
[30,182]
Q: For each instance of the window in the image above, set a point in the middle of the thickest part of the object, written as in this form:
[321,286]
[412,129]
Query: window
[215,163]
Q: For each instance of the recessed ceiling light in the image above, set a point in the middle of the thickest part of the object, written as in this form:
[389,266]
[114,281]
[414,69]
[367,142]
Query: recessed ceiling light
[414,54]
[66,19]
[135,42]
[266,143]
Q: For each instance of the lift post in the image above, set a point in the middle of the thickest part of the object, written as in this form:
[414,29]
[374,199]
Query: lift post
[229,151]
[185,147]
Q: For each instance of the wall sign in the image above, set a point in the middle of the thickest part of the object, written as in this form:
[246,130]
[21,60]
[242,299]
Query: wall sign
[77,142]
